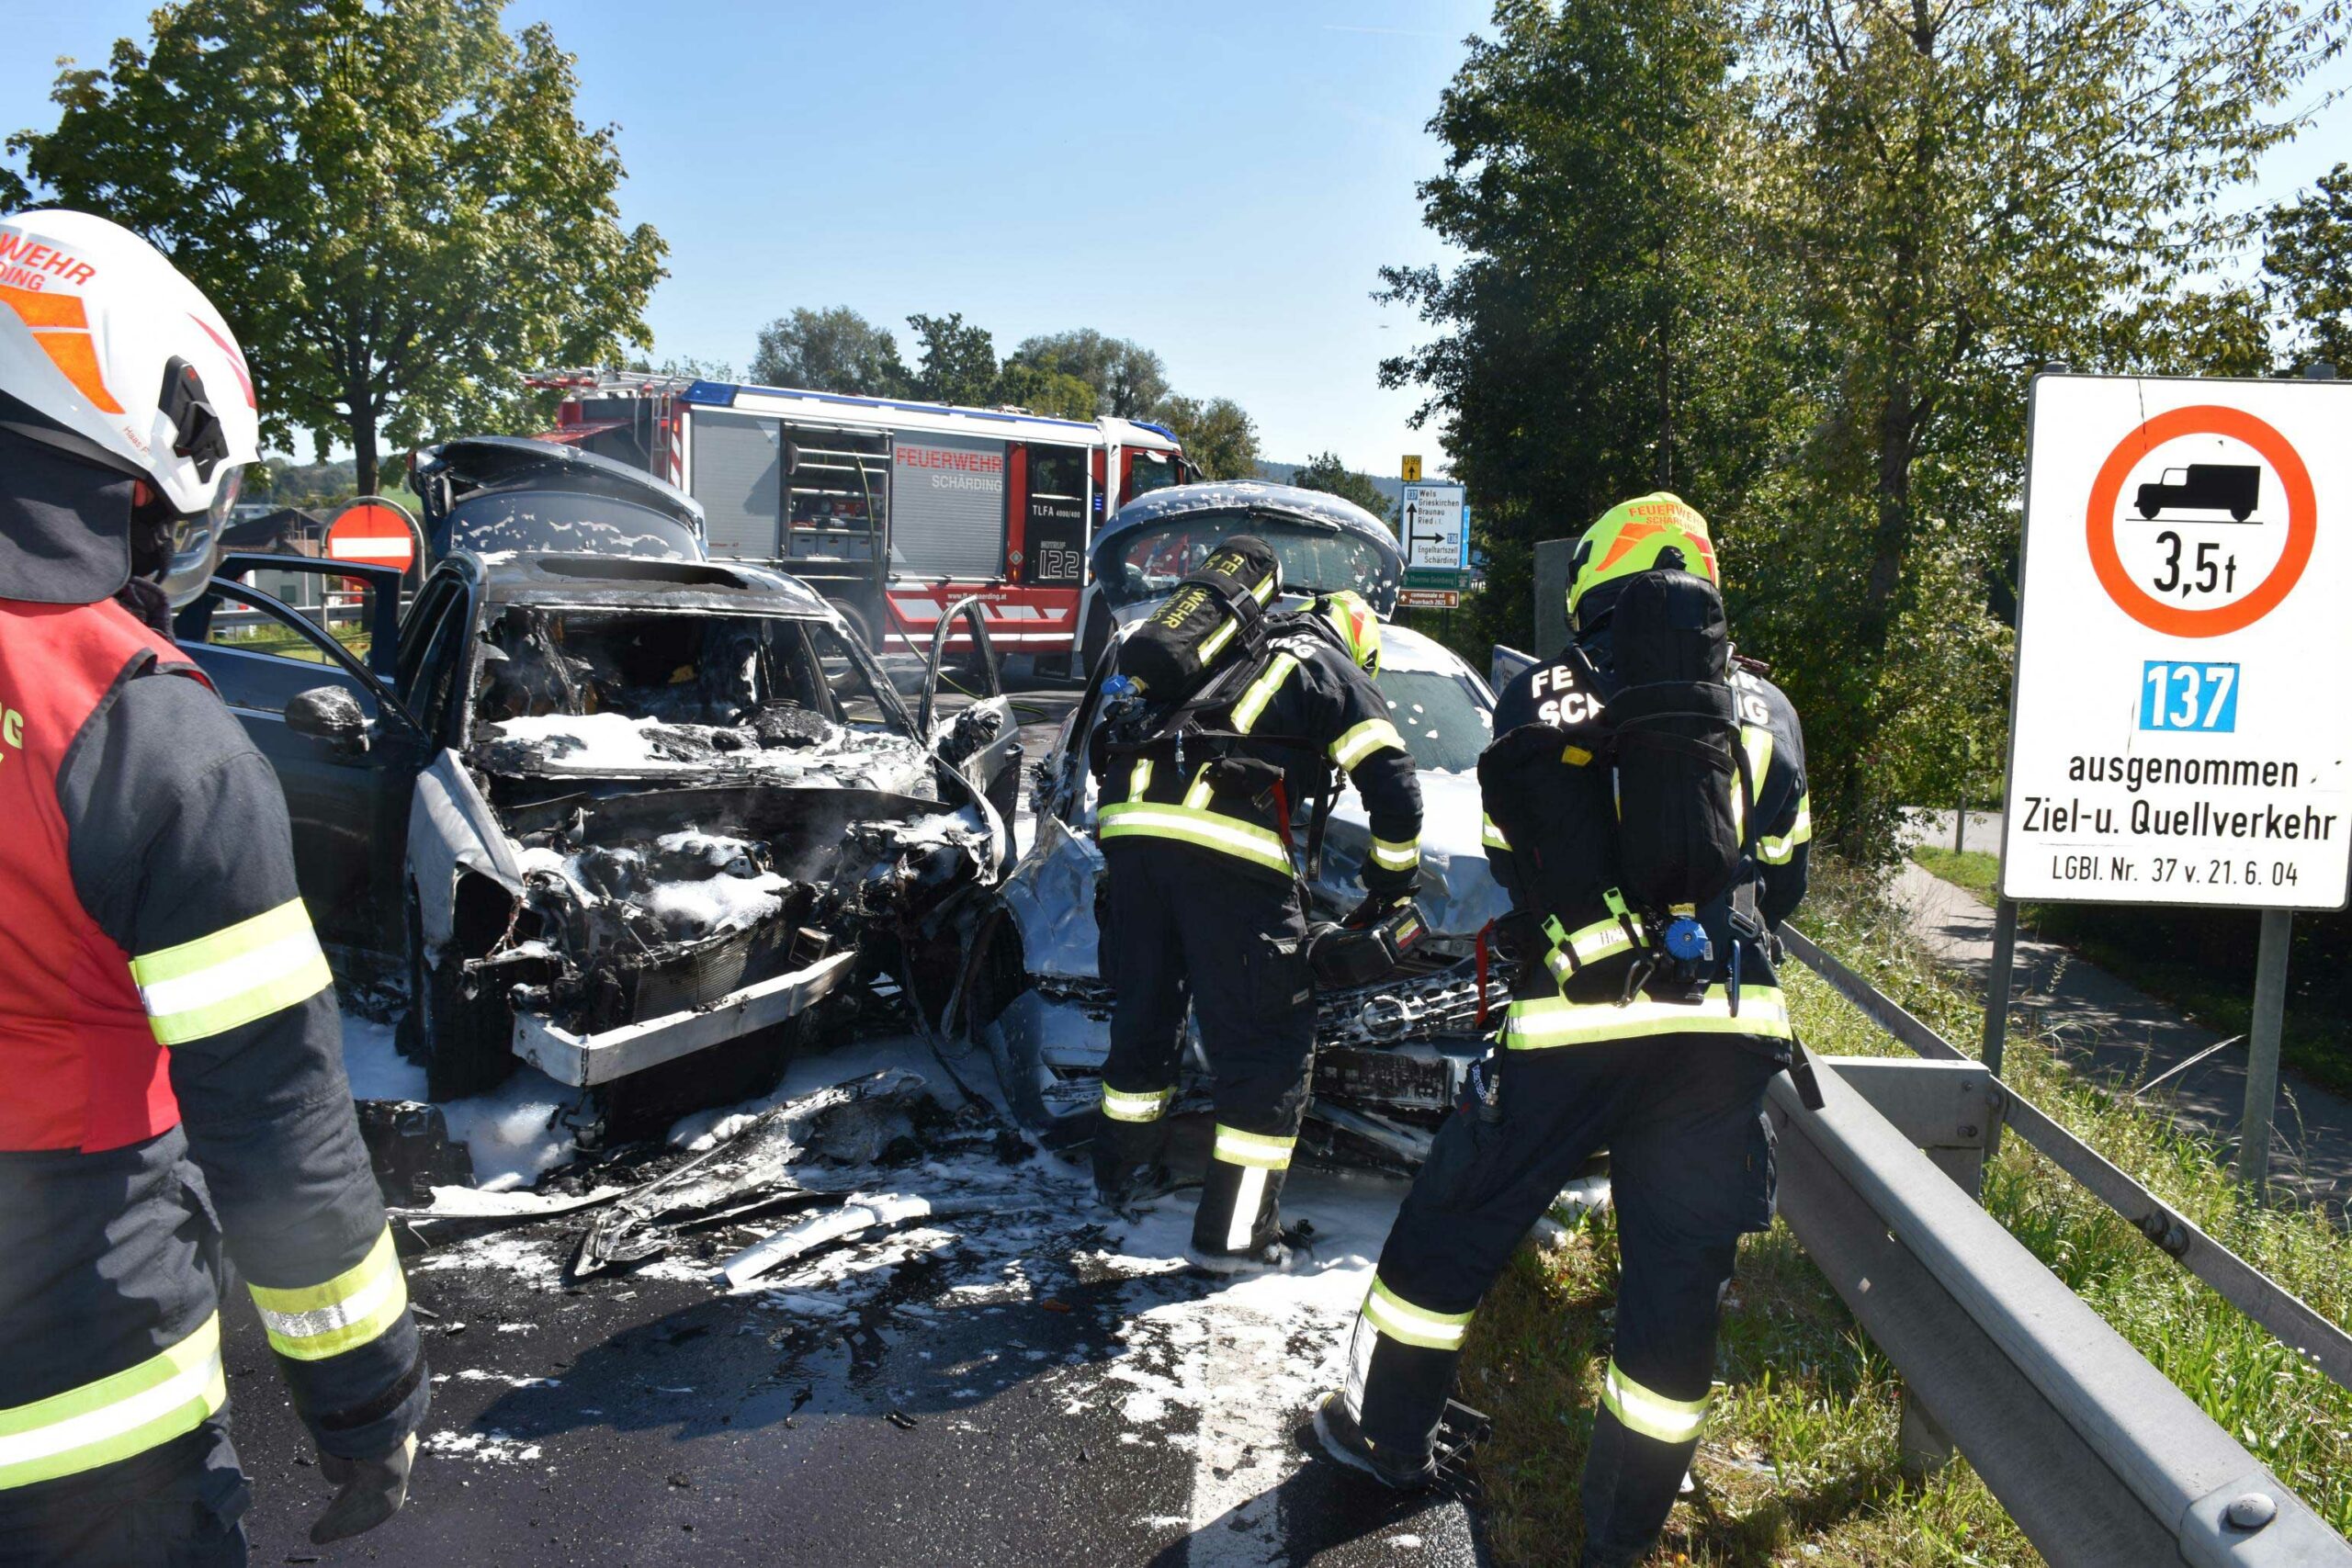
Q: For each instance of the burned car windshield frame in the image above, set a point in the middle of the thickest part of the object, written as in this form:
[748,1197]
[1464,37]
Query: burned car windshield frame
[469,732]
[1376,579]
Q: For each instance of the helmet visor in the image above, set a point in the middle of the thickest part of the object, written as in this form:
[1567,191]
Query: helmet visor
[196,546]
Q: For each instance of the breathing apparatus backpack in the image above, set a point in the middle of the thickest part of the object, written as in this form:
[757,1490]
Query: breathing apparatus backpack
[1219,608]
[1195,653]
[1642,811]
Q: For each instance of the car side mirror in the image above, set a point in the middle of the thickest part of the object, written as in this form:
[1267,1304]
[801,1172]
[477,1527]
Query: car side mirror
[330,713]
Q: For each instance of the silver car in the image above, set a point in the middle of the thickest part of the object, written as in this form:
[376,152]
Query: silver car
[1389,1058]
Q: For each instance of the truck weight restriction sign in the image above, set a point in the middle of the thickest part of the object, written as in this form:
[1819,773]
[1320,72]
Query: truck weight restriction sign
[2177,736]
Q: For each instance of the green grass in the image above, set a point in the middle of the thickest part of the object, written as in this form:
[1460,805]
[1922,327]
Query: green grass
[1974,869]
[2314,1040]
[284,642]
[1801,1451]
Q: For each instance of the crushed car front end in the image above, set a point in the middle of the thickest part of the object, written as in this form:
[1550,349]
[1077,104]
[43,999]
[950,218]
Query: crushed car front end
[677,814]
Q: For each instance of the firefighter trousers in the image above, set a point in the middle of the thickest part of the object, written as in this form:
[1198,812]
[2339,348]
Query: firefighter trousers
[179,1505]
[1189,925]
[1691,1168]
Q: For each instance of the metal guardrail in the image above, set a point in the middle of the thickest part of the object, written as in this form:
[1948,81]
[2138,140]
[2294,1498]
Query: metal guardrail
[2241,1284]
[2099,1459]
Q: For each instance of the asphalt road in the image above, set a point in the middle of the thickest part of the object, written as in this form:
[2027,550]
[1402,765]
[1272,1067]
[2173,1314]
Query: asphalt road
[1018,1391]
[1043,1383]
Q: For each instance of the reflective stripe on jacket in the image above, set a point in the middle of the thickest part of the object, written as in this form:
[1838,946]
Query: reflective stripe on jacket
[1304,695]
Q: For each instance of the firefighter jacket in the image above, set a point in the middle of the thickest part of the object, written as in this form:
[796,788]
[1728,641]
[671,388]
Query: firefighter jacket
[171,1045]
[1574,963]
[1305,709]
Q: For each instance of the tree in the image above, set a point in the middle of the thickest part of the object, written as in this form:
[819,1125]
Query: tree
[683,365]
[1219,439]
[1796,259]
[1327,473]
[830,351]
[1603,337]
[1129,380]
[2309,258]
[958,364]
[13,197]
[394,205]
[1971,189]
[1047,392]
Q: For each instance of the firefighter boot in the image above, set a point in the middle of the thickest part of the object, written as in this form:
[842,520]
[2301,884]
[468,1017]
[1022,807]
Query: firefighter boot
[1345,1441]
[1131,1160]
[1237,1228]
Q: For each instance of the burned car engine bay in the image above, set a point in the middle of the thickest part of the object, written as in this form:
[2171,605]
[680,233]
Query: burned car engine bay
[708,824]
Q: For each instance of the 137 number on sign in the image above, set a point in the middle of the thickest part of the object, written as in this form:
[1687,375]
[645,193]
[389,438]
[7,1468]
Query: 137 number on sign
[2188,696]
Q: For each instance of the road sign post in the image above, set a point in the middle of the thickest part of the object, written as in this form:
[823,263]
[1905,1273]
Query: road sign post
[2173,739]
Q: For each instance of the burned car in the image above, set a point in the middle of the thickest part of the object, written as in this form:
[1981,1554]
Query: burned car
[511,493]
[608,813]
[1389,1057]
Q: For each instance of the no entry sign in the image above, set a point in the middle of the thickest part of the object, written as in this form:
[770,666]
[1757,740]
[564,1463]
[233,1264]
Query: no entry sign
[2177,738]
[372,533]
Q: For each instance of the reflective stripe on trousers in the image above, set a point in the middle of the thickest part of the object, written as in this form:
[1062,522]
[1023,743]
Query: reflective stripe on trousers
[1120,1105]
[1543,1022]
[169,1393]
[1650,1414]
[314,1321]
[1259,1155]
[1402,1321]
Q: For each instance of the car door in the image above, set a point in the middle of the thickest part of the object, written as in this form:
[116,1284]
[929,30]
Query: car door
[347,794]
[966,717]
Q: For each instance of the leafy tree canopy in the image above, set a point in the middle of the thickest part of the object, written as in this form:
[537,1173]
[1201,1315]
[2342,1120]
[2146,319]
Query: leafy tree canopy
[2310,259]
[1129,380]
[958,364]
[395,205]
[1048,393]
[1327,473]
[1796,259]
[1220,439]
[835,350]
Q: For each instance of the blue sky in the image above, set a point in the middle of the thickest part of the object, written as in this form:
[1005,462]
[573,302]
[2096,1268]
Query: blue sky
[1218,181]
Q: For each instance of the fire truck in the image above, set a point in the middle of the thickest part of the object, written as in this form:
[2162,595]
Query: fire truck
[892,509]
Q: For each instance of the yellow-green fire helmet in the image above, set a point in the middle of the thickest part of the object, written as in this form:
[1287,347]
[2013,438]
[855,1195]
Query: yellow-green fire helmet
[1633,536]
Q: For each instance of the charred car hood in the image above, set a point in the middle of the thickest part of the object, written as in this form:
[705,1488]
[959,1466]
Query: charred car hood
[782,749]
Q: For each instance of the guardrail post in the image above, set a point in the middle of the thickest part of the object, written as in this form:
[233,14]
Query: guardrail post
[1948,1110]
[2262,1050]
[1996,985]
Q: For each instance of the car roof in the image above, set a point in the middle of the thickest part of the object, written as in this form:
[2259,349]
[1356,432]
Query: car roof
[541,577]
[476,464]
[1173,503]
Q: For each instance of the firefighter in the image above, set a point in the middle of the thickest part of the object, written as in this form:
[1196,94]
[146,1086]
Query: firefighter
[1204,904]
[1672,1088]
[167,1029]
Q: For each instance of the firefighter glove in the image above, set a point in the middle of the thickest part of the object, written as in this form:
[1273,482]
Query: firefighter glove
[369,1491]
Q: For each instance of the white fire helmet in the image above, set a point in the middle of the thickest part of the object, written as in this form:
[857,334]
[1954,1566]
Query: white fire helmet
[123,363]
